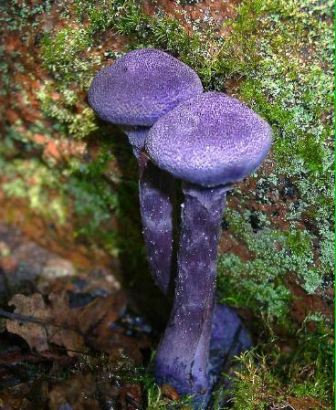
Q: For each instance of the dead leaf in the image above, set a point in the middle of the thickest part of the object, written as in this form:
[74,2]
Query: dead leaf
[70,339]
[130,397]
[51,150]
[12,116]
[306,403]
[39,138]
[34,334]
[54,327]
[116,343]
[169,391]
[66,327]
[102,310]
[63,315]
[66,332]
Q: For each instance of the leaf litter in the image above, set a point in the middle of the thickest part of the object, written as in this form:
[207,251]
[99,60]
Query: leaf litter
[71,341]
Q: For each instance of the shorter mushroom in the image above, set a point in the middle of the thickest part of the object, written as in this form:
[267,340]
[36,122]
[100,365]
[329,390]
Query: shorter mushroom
[133,93]
[210,142]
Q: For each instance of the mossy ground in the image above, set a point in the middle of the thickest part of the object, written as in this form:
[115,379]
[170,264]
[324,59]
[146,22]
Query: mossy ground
[276,55]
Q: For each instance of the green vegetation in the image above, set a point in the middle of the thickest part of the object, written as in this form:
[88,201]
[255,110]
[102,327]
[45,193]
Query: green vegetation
[35,183]
[277,253]
[299,370]
[276,56]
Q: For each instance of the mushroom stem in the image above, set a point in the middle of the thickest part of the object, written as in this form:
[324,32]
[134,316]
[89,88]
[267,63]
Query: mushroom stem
[136,137]
[156,192]
[183,354]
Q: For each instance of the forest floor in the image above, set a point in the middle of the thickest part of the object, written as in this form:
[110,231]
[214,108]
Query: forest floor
[72,338]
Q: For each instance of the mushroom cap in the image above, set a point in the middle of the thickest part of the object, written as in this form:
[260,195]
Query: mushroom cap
[141,86]
[210,140]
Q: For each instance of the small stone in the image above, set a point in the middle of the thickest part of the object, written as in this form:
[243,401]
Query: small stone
[57,267]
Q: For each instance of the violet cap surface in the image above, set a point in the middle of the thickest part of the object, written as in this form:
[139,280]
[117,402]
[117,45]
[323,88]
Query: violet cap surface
[211,139]
[141,86]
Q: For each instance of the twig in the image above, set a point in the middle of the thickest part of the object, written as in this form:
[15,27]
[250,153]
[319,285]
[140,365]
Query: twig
[21,318]
[31,319]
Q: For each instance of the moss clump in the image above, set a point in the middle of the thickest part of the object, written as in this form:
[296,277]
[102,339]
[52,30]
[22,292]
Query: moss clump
[61,52]
[38,185]
[259,283]
[71,117]
[277,373]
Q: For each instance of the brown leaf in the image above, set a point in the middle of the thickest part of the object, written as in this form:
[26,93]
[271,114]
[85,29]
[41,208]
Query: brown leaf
[67,333]
[70,339]
[65,326]
[58,323]
[12,116]
[130,397]
[63,315]
[102,310]
[39,138]
[116,343]
[34,334]
[306,403]
[169,391]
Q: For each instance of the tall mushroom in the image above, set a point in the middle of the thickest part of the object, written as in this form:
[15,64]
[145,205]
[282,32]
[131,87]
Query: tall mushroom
[210,142]
[133,93]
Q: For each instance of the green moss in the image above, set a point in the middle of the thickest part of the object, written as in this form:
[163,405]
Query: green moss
[61,53]
[17,14]
[38,185]
[156,401]
[71,118]
[79,193]
[271,374]
[291,89]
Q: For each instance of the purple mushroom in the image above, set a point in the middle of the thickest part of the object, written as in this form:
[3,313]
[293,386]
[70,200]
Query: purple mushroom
[210,142]
[133,93]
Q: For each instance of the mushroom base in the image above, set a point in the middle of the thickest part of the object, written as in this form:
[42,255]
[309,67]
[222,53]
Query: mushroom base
[229,338]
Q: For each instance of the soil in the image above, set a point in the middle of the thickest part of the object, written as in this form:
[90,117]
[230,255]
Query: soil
[197,14]
[304,304]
